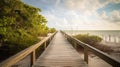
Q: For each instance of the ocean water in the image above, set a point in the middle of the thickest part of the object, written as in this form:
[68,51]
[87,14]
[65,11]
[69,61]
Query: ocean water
[107,35]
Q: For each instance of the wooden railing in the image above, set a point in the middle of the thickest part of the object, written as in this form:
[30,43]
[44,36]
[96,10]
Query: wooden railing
[87,47]
[10,62]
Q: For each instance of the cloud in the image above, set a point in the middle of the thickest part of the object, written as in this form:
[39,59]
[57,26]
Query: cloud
[114,16]
[87,7]
[114,1]
[81,14]
[64,19]
[78,14]
[56,21]
[73,20]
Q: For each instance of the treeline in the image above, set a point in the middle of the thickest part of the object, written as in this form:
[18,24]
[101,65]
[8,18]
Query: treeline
[20,25]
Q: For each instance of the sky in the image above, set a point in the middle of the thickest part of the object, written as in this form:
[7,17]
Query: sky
[80,14]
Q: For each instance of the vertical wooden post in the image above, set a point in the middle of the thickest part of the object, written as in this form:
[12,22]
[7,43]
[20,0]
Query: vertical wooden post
[85,55]
[115,39]
[50,40]
[109,38]
[75,45]
[33,58]
[45,45]
[106,39]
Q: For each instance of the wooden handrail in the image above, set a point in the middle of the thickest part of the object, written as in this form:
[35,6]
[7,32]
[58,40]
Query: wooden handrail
[30,50]
[99,53]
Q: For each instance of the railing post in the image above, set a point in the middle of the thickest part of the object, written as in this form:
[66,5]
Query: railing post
[49,40]
[75,45]
[109,38]
[86,55]
[45,45]
[115,39]
[65,35]
[33,58]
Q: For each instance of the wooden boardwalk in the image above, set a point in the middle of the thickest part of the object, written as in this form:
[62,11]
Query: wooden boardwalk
[60,53]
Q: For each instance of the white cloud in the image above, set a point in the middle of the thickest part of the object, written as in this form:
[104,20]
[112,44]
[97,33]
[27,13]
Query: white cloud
[115,1]
[88,7]
[57,2]
[114,16]
[78,13]
[75,20]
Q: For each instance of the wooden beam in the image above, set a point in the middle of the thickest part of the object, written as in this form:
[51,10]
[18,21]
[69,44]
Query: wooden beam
[33,58]
[85,55]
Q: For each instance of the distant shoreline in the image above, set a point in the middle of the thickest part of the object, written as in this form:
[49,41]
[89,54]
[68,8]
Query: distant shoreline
[91,30]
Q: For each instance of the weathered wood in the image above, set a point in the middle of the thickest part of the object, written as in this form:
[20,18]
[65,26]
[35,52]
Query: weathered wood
[19,56]
[33,58]
[86,55]
[60,53]
[75,45]
[109,38]
[114,62]
[45,45]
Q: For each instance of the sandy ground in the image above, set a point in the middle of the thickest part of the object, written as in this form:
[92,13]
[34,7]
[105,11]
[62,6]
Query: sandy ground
[95,61]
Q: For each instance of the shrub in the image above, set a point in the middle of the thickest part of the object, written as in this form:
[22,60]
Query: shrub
[89,39]
[52,30]
[20,25]
[19,40]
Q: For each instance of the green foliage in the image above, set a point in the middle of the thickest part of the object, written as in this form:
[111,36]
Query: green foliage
[20,25]
[18,42]
[89,39]
[52,30]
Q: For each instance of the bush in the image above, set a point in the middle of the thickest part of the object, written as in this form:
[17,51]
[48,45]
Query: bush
[89,39]
[19,40]
[52,30]
[20,26]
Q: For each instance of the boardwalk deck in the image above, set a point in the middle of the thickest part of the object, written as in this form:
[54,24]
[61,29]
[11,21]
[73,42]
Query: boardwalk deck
[60,53]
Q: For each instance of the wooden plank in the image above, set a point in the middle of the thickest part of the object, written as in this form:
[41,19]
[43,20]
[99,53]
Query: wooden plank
[60,53]
[86,55]
[33,57]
